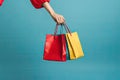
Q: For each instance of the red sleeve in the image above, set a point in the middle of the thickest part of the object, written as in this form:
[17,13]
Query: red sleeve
[1,1]
[38,3]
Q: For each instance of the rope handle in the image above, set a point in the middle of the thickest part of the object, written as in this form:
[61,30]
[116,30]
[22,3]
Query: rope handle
[65,26]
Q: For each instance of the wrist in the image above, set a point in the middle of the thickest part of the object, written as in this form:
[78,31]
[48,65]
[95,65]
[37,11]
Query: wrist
[52,13]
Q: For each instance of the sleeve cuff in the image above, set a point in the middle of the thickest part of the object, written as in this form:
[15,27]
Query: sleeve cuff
[38,3]
[1,1]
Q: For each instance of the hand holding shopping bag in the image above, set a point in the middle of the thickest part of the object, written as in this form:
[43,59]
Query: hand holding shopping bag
[55,47]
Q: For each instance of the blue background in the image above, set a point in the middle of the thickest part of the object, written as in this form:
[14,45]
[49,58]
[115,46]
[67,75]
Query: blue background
[22,36]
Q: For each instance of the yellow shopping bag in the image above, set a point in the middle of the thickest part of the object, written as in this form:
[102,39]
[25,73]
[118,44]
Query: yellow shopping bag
[74,45]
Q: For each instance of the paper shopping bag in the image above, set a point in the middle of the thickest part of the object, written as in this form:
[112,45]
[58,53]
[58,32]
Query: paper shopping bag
[55,47]
[74,45]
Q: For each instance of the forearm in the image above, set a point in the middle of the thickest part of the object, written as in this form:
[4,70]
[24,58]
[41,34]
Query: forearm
[57,17]
[47,6]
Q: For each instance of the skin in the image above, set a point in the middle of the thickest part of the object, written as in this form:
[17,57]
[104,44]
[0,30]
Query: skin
[59,19]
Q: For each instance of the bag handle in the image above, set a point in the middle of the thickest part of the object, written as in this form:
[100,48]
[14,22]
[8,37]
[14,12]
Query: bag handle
[56,28]
[65,26]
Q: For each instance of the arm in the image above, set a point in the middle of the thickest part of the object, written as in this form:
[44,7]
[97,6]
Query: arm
[59,19]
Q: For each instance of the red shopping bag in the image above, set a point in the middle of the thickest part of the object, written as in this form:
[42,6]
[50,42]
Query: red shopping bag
[1,1]
[55,47]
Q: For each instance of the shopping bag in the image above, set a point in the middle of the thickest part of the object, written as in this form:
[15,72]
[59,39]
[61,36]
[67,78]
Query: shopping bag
[74,45]
[55,47]
[1,1]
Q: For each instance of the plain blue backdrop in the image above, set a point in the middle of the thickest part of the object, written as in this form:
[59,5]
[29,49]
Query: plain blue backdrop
[22,35]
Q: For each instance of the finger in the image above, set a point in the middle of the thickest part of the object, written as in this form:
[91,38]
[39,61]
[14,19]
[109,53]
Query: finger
[58,21]
[61,20]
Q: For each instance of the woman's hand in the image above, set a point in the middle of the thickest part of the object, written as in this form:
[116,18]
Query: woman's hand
[59,19]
